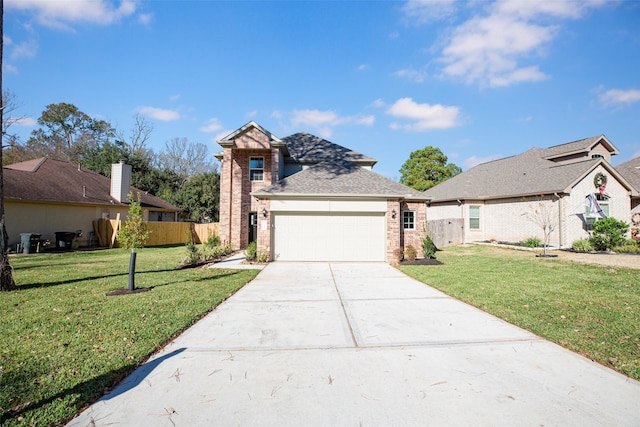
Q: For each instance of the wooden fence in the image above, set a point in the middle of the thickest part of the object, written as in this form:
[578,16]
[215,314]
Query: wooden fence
[160,233]
[446,232]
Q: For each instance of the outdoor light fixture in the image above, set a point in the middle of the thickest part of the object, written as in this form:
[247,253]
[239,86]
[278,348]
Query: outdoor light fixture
[264,212]
[393,213]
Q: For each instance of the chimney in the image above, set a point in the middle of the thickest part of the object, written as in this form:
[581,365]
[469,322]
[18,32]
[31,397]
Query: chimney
[120,181]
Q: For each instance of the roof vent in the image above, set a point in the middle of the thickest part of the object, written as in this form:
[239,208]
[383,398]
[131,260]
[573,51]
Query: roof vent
[120,182]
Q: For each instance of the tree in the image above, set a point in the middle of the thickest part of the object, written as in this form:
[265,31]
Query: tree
[543,214]
[133,234]
[15,151]
[6,274]
[200,197]
[67,134]
[185,159]
[426,168]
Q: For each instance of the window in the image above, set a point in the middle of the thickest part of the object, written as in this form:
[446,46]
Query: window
[256,168]
[605,208]
[474,217]
[597,156]
[408,220]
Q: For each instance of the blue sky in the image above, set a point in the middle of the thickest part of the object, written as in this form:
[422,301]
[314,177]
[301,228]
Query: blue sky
[480,79]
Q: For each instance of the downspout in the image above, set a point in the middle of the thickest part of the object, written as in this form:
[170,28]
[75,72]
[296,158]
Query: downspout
[560,228]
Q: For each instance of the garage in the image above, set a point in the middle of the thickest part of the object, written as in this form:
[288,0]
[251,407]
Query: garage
[329,236]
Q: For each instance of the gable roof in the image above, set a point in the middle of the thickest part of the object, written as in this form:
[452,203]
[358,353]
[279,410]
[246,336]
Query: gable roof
[631,172]
[306,148]
[339,178]
[229,139]
[526,174]
[578,147]
[54,181]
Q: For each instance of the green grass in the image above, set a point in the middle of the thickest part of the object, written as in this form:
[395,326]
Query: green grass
[592,310]
[63,342]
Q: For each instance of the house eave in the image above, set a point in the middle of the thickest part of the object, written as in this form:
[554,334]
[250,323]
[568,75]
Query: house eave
[361,196]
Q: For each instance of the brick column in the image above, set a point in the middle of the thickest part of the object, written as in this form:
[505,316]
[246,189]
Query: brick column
[224,229]
[393,230]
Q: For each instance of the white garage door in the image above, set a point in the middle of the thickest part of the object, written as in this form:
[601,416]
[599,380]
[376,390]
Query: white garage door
[330,237]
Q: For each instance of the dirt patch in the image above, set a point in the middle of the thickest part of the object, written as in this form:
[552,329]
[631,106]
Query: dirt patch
[126,291]
[422,261]
[606,259]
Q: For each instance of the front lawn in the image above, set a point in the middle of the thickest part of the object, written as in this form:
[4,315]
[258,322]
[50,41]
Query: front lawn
[63,342]
[592,310]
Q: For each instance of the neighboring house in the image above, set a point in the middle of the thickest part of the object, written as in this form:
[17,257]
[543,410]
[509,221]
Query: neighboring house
[303,198]
[631,172]
[509,199]
[46,196]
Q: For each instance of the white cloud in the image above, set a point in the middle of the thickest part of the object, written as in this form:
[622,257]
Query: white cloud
[363,67]
[212,125]
[26,49]
[618,97]
[489,48]
[9,69]
[325,121]
[159,113]
[23,121]
[251,113]
[423,117]
[145,18]
[58,14]
[378,103]
[475,161]
[414,75]
[428,10]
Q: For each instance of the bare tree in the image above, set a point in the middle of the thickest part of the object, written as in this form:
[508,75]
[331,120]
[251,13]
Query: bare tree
[139,136]
[542,213]
[6,274]
[185,159]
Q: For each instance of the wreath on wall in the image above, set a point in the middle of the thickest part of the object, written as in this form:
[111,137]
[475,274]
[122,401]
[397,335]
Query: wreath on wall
[600,182]
[635,218]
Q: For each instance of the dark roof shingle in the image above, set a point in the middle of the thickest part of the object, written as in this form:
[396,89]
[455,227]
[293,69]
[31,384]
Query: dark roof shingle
[306,148]
[340,177]
[49,180]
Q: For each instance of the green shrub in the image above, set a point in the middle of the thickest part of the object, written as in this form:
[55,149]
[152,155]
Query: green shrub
[213,240]
[428,247]
[133,232]
[251,252]
[630,246]
[211,253]
[532,242]
[263,256]
[608,233]
[583,245]
[193,254]
[410,253]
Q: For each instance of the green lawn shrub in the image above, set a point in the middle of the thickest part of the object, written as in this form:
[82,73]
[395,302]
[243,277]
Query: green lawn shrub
[608,233]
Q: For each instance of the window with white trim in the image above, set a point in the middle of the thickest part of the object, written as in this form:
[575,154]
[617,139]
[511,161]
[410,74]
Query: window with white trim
[256,168]
[474,217]
[408,220]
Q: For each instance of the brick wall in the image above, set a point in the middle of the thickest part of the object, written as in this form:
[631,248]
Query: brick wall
[393,230]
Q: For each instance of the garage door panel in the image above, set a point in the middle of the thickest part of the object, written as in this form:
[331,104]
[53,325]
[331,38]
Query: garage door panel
[330,237]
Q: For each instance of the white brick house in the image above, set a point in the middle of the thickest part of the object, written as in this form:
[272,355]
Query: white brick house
[500,200]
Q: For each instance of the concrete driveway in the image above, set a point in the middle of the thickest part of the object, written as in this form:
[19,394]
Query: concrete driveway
[339,344]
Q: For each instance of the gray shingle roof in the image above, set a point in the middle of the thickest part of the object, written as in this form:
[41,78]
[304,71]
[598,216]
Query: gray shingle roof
[48,180]
[306,148]
[580,146]
[524,174]
[631,172]
[339,177]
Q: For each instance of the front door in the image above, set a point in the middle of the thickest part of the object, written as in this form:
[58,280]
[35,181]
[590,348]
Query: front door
[253,226]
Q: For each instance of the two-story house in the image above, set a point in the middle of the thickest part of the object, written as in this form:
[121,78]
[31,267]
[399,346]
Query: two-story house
[563,188]
[303,198]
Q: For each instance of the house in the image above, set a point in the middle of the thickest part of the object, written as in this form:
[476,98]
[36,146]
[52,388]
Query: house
[303,198]
[631,172]
[47,196]
[514,198]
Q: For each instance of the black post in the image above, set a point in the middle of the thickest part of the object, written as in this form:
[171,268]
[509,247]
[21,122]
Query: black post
[132,271]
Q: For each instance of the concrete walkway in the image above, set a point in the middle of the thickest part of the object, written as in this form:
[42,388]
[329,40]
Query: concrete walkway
[318,344]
